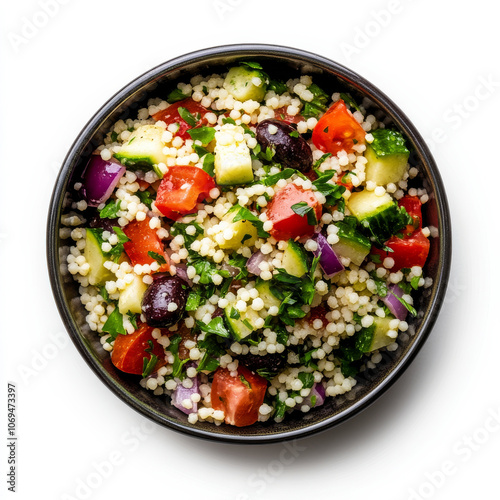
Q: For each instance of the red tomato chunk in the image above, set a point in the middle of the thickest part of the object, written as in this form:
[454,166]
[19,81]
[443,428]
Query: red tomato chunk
[129,351]
[239,397]
[181,188]
[338,130]
[143,239]
[171,115]
[286,223]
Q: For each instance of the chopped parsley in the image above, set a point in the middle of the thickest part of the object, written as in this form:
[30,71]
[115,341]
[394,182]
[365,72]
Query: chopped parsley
[159,258]
[145,197]
[203,134]
[114,325]
[243,213]
[317,105]
[388,142]
[187,116]
[176,95]
[304,209]
[110,211]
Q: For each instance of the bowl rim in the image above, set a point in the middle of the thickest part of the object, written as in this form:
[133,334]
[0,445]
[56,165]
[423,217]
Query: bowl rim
[245,50]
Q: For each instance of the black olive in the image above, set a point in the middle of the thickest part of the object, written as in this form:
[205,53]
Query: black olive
[161,294]
[271,362]
[289,147]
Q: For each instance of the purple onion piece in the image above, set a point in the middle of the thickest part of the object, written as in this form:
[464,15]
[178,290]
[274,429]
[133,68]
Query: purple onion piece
[181,393]
[318,391]
[181,271]
[328,259]
[393,304]
[233,271]
[100,179]
[254,261]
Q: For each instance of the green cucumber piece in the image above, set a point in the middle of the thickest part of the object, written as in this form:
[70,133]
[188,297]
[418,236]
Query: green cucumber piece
[243,326]
[295,259]
[232,164]
[242,82]
[387,157]
[379,215]
[352,244]
[94,256]
[375,337]
[264,289]
[131,297]
[144,149]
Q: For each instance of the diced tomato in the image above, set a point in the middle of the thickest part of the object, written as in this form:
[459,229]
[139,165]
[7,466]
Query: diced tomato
[318,312]
[338,130]
[171,115]
[413,206]
[286,223]
[407,252]
[238,397]
[181,188]
[129,351]
[281,114]
[143,239]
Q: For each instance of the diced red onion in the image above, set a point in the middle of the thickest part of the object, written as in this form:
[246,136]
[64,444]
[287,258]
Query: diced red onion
[100,179]
[181,271]
[393,304]
[328,259]
[233,271]
[182,393]
[318,391]
[254,261]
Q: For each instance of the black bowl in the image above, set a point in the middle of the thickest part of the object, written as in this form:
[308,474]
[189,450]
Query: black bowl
[156,82]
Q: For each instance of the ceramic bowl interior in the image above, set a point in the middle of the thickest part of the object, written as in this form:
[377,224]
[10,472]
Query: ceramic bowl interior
[280,61]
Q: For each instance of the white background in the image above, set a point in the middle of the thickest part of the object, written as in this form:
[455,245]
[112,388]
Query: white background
[433,435]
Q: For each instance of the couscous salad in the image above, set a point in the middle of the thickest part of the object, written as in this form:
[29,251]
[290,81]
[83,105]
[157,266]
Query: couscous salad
[247,245]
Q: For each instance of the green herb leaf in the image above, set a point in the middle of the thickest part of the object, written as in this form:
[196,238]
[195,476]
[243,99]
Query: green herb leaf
[318,104]
[294,134]
[114,325]
[227,119]
[209,164]
[307,379]
[414,282]
[148,365]
[175,96]
[187,116]
[319,161]
[156,256]
[243,213]
[277,86]
[348,99]
[388,142]
[251,64]
[245,382]
[145,197]
[215,327]
[271,180]
[203,134]
[304,209]
[409,307]
[110,211]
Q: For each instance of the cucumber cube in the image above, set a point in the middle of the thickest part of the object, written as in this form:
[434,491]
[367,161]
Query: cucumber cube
[233,164]
[144,148]
[98,274]
[245,83]
[295,259]
[131,297]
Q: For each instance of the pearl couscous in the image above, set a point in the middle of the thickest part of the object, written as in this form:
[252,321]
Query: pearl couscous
[247,245]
